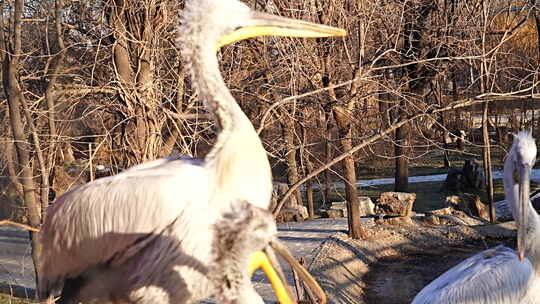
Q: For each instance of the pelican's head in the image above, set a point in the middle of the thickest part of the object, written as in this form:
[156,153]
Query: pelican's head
[225,21]
[517,171]
[240,238]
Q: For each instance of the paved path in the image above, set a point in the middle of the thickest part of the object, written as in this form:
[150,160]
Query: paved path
[16,266]
[301,238]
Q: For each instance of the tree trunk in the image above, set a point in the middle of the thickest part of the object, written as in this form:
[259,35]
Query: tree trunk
[309,198]
[446,157]
[416,16]
[309,190]
[487,164]
[15,98]
[308,166]
[11,162]
[134,63]
[44,171]
[329,155]
[400,148]
[536,15]
[287,125]
[343,118]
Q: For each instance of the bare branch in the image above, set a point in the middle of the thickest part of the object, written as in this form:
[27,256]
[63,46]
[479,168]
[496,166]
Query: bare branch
[18,225]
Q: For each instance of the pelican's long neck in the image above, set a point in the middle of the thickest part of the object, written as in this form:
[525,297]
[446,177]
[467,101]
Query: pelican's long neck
[229,117]
[532,242]
[237,159]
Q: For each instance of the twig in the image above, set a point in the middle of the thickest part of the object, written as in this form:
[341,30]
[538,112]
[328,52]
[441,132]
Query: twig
[17,291]
[298,285]
[303,274]
[18,225]
[456,105]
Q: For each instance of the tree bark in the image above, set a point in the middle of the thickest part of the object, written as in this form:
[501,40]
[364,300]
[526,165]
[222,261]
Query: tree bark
[536,15]
[400,150]
[308,168]
[44,171]
[329,155]
[309,196]
[287,125]
[11,161]
[487,164]
[342,117]
[416,15]
[135,26]
[15,99]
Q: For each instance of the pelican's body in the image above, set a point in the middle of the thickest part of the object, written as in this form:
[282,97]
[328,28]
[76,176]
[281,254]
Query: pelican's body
[498,275]
[145,235]
[122,237]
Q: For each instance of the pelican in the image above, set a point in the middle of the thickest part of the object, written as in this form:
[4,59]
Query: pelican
[500,275]
[146,234]
[241,233]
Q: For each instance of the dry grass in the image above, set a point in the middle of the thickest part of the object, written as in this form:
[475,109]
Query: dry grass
[7,299]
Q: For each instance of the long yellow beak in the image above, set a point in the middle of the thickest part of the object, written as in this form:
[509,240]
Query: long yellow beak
[260,260]
[523,209]
[262,24]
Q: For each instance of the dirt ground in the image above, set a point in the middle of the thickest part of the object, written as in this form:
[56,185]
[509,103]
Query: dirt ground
[398,260]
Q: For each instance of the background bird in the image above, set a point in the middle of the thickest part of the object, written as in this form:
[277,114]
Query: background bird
[145,235]
[500,274]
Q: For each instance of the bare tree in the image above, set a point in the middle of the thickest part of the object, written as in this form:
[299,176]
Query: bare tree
[12,88]
[343,120]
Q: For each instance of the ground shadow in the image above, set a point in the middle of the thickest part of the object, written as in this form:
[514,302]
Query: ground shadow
[395,264]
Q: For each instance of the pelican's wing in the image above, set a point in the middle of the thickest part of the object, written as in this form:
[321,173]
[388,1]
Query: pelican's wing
[492,276]
[91,224]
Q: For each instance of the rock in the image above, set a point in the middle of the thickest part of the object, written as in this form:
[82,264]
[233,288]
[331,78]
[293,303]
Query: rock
[473,173]
[394,220]
[368,222]
[454,181]
[289,215]
[278,190]
[395,203]
[443,211]
[291,210]
[431,220]
[471,176]
[452,201]
[470,204]
[339,209]
[477,208]
[366,206]
[400,220]
[303,212]
[338,205]
[333,213]
[450,216]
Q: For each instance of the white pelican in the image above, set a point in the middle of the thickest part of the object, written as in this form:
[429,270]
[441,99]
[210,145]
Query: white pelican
[145,235]
[500,275]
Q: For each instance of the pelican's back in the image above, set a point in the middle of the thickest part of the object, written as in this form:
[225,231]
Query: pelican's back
[493,276]
[101,226]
